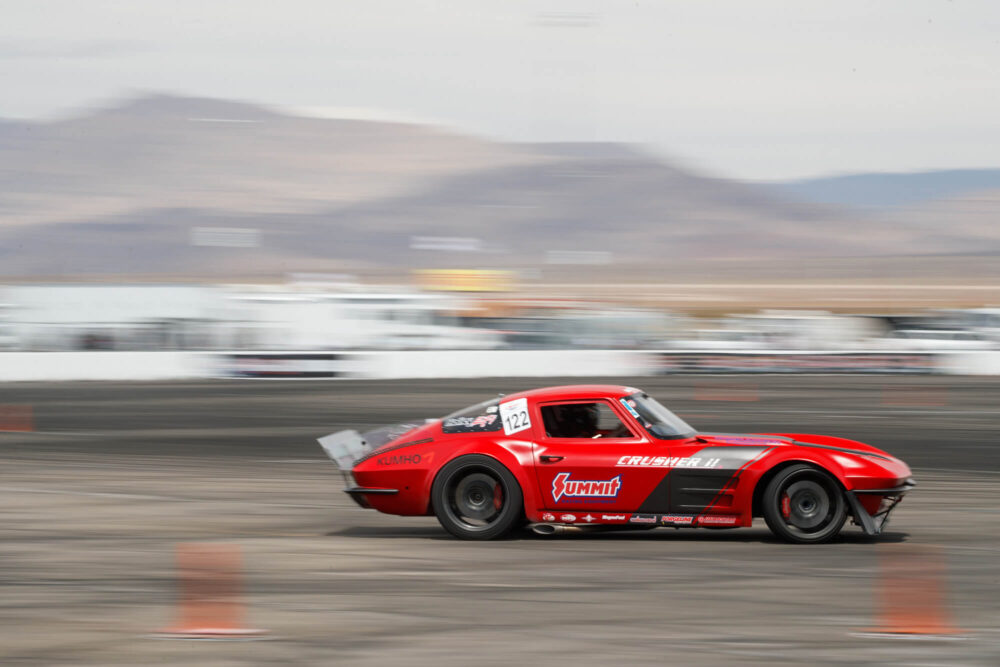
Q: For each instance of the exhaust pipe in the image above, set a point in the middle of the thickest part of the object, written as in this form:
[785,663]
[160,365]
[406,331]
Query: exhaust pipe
[553,529]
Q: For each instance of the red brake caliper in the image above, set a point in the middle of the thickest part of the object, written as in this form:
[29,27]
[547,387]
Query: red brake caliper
[498,497]
[786,506]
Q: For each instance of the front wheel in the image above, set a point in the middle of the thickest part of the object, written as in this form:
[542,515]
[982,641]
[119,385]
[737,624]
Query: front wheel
[804,504]
[476,498]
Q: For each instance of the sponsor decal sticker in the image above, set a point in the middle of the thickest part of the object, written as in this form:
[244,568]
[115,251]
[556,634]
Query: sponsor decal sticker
[642,518]
[472,422]
[614,517]
[677,519]
[588,518]
[568,518]
[563,486]
[514,415]
[666,462]
[714,520]
[487,422]
[630,406]
[548,517]
[398,459]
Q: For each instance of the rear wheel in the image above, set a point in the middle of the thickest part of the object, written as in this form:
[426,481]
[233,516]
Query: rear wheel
[476,498]
[804,504]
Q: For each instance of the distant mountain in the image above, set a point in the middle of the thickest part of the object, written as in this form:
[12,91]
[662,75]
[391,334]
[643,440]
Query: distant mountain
[888,190]
[173,152]
[952,225]
[119,191]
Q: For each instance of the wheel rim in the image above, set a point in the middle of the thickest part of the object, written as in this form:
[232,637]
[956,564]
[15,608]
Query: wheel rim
[475,499]
[808,506]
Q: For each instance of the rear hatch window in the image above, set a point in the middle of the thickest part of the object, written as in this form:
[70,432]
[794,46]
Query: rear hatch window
[477,418]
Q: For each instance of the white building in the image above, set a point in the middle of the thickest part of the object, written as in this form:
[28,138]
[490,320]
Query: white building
[202,317]
[63,317]
[325,320]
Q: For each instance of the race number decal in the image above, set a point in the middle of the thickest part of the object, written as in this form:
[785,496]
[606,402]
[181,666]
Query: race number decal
[515,416]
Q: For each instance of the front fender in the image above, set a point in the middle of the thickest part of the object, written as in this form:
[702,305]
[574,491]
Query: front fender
[780,457]
[855,464]
[866,477]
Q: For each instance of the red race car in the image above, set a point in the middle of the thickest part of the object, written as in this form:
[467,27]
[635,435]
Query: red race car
[612,457]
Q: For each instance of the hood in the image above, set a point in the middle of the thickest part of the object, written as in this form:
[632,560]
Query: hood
[793,439]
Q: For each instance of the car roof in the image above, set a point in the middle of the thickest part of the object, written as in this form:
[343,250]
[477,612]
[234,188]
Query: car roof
[573,391]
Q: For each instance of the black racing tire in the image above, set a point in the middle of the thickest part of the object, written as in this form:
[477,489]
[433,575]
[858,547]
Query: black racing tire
[476,497]
[805,505]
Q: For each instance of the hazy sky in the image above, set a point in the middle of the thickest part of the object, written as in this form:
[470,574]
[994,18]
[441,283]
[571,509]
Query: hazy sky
[745,88]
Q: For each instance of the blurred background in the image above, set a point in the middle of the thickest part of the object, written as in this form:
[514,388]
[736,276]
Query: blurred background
[508,175]
[517,193]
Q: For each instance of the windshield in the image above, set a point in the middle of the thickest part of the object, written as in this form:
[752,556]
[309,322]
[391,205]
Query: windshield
[656,419]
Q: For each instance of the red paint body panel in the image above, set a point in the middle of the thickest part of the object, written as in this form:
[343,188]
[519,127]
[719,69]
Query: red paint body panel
[705,479]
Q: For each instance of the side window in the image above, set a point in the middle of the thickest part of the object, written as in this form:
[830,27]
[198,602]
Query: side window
[591,420]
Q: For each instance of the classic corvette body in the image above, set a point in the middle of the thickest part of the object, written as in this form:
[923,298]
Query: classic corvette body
[612,456]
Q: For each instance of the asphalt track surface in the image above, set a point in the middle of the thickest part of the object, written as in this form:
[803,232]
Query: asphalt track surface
[94,501]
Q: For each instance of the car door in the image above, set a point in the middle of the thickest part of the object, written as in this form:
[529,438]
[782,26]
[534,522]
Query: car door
[577,470]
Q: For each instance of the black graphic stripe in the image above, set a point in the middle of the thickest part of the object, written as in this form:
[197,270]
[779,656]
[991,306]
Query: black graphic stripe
[734,480]
[842,449]
[692,490]
[792,441]
[658,499]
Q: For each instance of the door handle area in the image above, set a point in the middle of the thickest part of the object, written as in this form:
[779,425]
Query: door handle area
[548,458]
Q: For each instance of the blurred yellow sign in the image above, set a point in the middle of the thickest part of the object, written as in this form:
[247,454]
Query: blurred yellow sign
[464,280]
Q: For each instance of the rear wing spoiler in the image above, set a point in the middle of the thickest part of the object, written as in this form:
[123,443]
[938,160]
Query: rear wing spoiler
[345,447]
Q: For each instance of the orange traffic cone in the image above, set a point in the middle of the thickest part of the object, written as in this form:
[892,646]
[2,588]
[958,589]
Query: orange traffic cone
[16,418]
[912,595]
[209,602]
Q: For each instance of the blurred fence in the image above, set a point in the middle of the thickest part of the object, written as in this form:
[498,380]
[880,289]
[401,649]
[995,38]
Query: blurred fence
[153,366]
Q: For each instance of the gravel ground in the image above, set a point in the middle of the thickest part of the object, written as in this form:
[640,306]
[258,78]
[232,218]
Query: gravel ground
[95,501]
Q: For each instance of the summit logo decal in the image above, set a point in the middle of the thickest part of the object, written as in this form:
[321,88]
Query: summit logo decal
[563,486]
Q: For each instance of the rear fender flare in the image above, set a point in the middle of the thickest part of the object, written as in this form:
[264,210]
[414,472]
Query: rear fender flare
[508,456]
